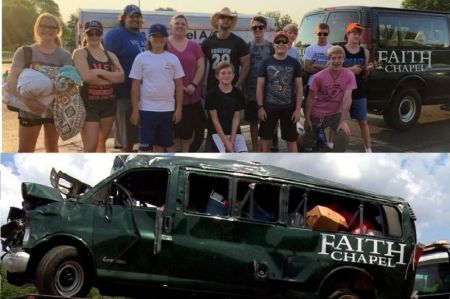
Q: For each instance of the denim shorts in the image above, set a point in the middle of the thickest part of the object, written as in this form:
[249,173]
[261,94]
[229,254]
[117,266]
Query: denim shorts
[358,109]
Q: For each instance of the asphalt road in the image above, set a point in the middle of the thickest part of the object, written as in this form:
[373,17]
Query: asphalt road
[431,134]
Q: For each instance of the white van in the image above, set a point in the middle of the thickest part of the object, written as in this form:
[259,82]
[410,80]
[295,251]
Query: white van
[198,23]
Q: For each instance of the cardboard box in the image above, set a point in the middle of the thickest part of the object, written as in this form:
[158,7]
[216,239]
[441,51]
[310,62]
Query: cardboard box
[323,218]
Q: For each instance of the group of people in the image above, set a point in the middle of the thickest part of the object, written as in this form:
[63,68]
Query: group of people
[150,89]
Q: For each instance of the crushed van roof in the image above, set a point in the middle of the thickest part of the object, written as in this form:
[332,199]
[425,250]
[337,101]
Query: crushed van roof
[125,162]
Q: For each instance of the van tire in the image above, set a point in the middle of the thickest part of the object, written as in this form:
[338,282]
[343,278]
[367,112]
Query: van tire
[62,272]
[404,109]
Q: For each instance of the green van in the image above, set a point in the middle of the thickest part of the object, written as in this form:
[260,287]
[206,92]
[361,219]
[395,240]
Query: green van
[210,226]
[410,50]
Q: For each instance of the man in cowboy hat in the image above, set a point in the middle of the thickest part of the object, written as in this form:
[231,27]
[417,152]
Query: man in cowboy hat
[226,46]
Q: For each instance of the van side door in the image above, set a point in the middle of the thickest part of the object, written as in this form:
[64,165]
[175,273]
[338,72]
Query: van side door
[124,227]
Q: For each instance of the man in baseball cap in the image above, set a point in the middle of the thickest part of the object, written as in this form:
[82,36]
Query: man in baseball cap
[131,9]
[126,41]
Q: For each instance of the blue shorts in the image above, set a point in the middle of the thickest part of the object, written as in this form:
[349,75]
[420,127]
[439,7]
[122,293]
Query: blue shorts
[155,128]
[358,109]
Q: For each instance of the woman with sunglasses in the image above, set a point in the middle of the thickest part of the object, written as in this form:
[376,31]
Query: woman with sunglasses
[46,51]
[100,69]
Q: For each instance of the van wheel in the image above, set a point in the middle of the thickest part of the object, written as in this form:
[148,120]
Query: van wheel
[404,109]
[62,272]
[343,294]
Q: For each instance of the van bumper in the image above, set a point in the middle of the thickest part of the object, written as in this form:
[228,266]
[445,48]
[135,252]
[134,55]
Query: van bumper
[16,262]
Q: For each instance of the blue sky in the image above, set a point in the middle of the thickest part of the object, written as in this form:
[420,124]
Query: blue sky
[422,179]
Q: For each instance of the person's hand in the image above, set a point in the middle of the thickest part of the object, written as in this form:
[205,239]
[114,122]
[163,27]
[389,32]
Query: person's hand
[228,146]
[34,104]
[307,125]
[356,69]
[262,115]
[295,116]
[344,127]
[176,118]
[189,90]
[134,118]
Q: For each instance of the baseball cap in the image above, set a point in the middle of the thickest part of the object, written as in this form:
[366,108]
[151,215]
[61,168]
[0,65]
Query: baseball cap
[158,29]
[93,24]
[353,26]
[131,9]
[280,34]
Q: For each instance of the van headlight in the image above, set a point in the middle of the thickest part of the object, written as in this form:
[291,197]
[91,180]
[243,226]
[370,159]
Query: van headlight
[26,234]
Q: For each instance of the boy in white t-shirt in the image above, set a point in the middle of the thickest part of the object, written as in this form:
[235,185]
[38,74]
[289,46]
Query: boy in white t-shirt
[156,93]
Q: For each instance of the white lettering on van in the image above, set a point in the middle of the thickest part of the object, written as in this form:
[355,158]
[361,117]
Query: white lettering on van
[403,61]
[357,249]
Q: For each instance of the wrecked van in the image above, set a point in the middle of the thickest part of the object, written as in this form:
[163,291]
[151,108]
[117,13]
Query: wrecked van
[433,272]
[210,226]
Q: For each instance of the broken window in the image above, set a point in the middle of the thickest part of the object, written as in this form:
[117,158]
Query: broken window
[208,194]
[258,201]
[147,188]
[324,211]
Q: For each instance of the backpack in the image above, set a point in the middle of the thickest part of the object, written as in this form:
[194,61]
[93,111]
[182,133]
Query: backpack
[27,54]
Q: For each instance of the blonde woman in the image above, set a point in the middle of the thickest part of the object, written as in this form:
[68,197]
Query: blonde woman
[46,51]
[100,69]
[193,62]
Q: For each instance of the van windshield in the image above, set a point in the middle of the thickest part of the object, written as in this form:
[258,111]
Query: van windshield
[433,279]
[338,22]
[306,33]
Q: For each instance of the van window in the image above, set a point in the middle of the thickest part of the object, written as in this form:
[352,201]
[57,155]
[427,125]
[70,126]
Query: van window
[412,31]
[147,188]
[360,217]
[258,201]
[306,34]
[433,278]
[338,22]
[394,225]
[208,194]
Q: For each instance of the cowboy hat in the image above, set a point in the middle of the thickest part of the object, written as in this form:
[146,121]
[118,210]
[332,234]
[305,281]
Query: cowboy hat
[224,12]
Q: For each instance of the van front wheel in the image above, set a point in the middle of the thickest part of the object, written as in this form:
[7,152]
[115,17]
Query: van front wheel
[343,294]
[62,272]
[404,109]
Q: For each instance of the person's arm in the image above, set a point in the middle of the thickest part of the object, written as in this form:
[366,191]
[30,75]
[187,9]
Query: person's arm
[235,126]
[345,108]
[178,100]
[312,68]
[218,127]
[87,75]
[299,99]
[308,109]
[369,66]
[115,76]
[11,81]
[198,77]
[245,68]
[135,95]
[261,81]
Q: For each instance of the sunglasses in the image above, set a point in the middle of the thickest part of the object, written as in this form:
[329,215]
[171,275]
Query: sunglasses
[322,33]
[94,32]
[51,27]
[281,41]
[258,27]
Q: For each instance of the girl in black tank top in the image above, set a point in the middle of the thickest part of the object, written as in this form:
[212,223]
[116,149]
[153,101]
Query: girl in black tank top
[99,69]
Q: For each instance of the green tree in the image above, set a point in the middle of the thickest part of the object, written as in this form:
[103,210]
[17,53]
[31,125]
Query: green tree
[49,6]
[17,23]
[280,20]
[440,5]
[69,33]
